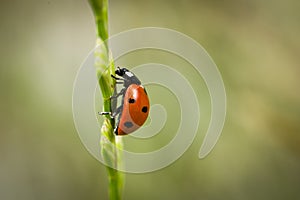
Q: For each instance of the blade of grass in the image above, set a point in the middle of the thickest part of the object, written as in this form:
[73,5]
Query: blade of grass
[110,145]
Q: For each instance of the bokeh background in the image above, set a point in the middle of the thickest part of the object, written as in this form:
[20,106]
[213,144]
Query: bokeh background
[256,46]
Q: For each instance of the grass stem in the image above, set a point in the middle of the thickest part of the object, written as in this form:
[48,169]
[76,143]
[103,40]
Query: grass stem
[110,145]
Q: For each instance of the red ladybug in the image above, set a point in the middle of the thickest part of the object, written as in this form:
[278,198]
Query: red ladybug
[134,108]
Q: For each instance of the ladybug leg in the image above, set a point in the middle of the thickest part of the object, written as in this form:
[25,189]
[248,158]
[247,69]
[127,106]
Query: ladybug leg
[114,114]
[116,77]
[106,113]
[118,94]
[117,111]
[116,130]
[109,113]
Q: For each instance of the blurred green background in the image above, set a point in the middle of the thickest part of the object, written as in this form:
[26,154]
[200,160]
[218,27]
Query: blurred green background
[256,46]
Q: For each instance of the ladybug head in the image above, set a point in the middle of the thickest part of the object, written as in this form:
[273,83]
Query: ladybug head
[121,71]
[128,77]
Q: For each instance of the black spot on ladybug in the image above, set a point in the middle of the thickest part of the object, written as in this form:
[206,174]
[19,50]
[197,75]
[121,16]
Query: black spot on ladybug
[128,124]
[145,91]
[130,100]
[144,109]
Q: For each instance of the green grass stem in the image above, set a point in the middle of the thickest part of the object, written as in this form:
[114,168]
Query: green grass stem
[110,145]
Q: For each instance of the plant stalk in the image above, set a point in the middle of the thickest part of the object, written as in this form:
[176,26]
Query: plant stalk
[110,145]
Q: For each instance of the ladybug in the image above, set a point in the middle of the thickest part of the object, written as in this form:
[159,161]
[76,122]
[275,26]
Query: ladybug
[134,108]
